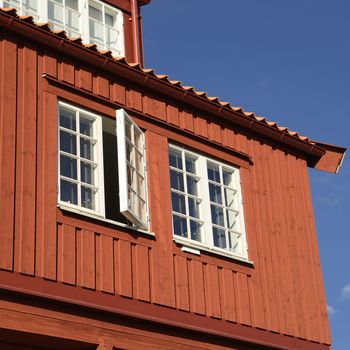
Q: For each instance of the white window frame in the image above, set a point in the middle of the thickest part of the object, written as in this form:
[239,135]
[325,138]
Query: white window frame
[98,160]
[22,10]
[83,9]
[207,242]
[126,207]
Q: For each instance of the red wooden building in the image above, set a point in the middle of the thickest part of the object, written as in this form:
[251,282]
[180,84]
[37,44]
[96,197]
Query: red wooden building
[137,213]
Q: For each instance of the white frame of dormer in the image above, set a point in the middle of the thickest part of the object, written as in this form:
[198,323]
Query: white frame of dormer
[84,21]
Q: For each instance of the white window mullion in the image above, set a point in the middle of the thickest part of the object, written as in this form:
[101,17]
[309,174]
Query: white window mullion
[78,159]
[85,20]
[98,153]
[224,209]
[184,174]
[43,10]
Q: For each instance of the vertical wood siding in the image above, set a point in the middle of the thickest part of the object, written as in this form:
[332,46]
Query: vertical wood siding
[282,293]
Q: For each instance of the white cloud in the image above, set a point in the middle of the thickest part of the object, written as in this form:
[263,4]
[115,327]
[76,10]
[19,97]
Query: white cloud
[331,310]
[345,292]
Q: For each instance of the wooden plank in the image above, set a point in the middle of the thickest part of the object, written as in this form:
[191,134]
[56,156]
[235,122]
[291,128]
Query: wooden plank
[119,93]
[106,270]
[212,291]
[162,262]
[49,65]
[186,121]
[154,107]
[87,257]
[140,272]
[46,247]
[101,86]
[8,82]
[172,115]
[196,279]
[122,268]
[201,126]
[227,295]
[242,298]
[26,162]
[67,72]
[85,79]
[215,132]
[181,283]
[66,269]
[229,138]
[134,99]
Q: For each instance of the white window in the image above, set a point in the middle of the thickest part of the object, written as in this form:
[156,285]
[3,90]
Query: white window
[206,201]
[92,20]
[101,166]
[23,7]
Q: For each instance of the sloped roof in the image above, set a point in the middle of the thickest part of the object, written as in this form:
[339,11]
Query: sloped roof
[188,89]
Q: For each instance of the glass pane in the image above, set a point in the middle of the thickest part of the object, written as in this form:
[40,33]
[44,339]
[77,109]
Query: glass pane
[73,4]
[192,185]
[95,13]
[67,118]
[86,126]
[175,159]
[227,176]
[55,12]
[190,164]
[131,174]
[215,193]
[129,153]
[229,197]
[68,142]
[219,238]
[86,149]
[31,5]
[68,167]
[72,20]
[138,141]
[179,226]
[132,200]
[213,172]
[193,206]
[234,242]
[69,192]
[140,186]
[87,173]
[128,128]
[109,19]
[142,209]
[231,219]
[88,197]
[96,30]
[217,215]
[139,162]
[196,233]
[111,37]
[176,180]
[178,203]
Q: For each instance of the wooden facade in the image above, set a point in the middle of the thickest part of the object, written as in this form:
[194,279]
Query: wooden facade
[80,280]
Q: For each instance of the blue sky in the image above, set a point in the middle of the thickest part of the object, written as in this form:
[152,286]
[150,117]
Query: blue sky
[288,61]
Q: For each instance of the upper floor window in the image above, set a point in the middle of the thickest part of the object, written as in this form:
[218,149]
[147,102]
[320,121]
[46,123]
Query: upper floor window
[102,166]
[92,20]
[206,201]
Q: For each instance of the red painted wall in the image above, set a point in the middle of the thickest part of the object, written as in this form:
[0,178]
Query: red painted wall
[282,292]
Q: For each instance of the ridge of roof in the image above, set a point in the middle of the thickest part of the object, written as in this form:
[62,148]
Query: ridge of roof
[150,72]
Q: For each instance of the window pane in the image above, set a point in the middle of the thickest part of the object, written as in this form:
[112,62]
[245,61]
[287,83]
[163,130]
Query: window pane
[176,180]
[227,176]
[178,203]
[190,164]
[139,163]
[140,186]
[213,172]
[95,13]
[231,218]
[55,12]
[73,4]
[193,206]
[142,209]
[86,126]
[219,237]
[67,118]
[131,174]
[215,193]
[139,141]
[68,142]
[109,19]
[88,198]
[68,192]
[129,153]
[87,173]
[196,233]
[192,185]
[175,159]
[96,31]
[180,226]
[72,21]
[217,215]
[86,149]
[229,197]
[31,5]
[68,167]
[111,37]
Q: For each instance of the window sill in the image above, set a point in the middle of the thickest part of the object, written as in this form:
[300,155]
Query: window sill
[102,219]
[196,248]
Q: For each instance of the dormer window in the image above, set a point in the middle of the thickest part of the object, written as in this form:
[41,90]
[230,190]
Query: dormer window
[92,20]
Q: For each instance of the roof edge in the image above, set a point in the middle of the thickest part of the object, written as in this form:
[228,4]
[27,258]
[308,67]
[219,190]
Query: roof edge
[333,158]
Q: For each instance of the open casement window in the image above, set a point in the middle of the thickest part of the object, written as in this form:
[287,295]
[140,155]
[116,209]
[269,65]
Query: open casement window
[132,170]
[206,202]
